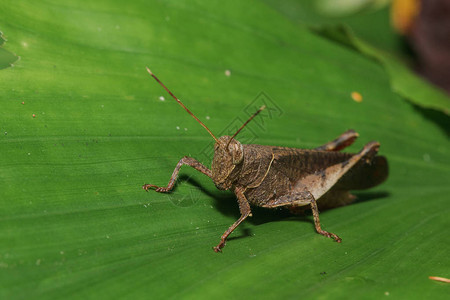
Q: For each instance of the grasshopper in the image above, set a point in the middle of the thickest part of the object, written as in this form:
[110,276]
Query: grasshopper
[271,177]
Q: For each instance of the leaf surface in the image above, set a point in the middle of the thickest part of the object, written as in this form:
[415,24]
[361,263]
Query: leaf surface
[74,221]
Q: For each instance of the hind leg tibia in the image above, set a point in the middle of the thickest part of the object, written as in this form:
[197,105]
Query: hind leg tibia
[302,198]
[343,141]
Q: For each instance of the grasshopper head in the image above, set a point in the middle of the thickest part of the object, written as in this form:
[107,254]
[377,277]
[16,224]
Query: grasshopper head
[227,155]
[228,152]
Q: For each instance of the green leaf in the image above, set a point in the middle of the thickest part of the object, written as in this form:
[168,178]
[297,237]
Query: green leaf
[74,221]
[380,42]
[6,57]
[371,21]
[403,80]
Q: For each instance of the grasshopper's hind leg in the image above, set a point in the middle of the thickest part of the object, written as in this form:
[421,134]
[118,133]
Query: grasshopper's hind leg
[302,198]
[344,140]
[184,161]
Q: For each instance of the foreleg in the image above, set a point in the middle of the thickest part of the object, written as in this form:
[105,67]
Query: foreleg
[184,161]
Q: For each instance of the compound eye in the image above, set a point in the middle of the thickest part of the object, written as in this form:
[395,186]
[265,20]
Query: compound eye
[237,153]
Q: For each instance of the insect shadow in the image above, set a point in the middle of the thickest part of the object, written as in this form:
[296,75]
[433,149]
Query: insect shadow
[226,204]
[362,197]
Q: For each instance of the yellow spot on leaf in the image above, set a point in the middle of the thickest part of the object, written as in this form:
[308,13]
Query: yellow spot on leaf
[357,97]
[442,279]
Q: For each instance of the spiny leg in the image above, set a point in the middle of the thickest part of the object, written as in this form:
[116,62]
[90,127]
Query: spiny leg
[299,199]
[184,161]
[244,208]
[344,140]
[315,212]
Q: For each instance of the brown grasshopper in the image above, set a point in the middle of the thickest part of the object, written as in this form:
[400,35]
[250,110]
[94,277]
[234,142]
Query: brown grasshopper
[270,176]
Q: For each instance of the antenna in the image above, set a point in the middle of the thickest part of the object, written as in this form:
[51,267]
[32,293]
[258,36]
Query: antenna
[179,102]
[242,127]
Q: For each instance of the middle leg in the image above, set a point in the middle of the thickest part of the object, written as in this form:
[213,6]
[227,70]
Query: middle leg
[245,210]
